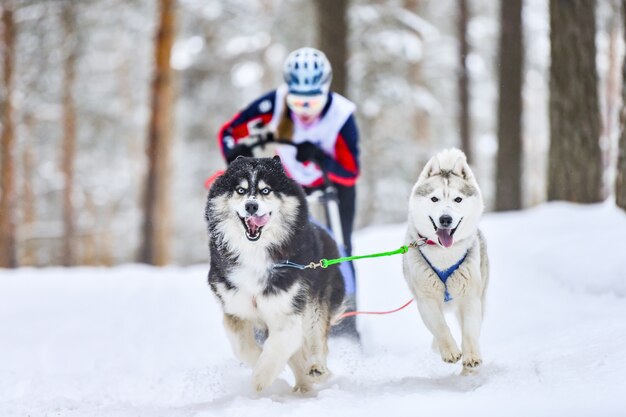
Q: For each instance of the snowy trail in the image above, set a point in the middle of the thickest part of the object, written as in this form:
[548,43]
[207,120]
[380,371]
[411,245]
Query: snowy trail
[140,341]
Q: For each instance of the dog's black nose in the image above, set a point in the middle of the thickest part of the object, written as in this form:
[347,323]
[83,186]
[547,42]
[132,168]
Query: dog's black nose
[252,207]
[445,220]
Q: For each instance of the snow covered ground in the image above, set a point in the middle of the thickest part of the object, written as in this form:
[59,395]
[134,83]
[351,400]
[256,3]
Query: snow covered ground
[140,341]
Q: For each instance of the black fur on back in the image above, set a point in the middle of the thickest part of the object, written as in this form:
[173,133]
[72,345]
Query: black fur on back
[306,241]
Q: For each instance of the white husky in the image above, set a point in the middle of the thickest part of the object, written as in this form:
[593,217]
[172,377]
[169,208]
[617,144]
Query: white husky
[449,270]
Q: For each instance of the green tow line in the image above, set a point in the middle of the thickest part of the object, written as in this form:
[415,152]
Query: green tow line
[325,263]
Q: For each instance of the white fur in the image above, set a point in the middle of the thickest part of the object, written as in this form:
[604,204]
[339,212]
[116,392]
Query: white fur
[446,177]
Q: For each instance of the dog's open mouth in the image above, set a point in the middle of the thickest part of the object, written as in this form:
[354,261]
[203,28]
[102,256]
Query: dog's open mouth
[254,225]
[446,236]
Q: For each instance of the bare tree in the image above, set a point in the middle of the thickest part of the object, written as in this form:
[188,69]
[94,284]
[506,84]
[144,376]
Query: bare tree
[509,159]
[333,38]
[155,236]
[574,160]
[420,119]
[28,255]
[620,180]
[8,257]
[68,150]
[464,96]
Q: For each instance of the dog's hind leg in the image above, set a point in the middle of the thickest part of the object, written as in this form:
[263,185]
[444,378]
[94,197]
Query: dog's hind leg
[433,318]
[317,327]
[241,336]
[471,320]
[283,340]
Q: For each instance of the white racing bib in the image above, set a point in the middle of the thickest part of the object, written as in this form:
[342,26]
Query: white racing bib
[323,133]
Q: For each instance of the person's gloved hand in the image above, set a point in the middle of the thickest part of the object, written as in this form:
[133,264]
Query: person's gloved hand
[239,150]
[307,151]
[268,137]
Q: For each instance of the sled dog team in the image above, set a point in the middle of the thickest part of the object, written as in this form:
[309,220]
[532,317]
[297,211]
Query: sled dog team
[257,217]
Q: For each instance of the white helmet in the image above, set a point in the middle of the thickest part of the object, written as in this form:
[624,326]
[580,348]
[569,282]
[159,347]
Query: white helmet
[307,71]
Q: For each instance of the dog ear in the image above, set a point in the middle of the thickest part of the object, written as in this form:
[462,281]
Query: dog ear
[461,168]
[430,169]
[433,167]
[277,164]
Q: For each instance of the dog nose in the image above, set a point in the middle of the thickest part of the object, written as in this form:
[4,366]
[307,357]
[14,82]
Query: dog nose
[252,207]
[445,220]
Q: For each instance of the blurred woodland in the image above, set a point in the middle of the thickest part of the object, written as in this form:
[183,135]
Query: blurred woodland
[109,109]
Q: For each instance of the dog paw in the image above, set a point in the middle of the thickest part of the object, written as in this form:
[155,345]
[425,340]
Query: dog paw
[472,361]
[315,372]
[301,389]
[451,356]
[259,385]
[318,373]
[261,380]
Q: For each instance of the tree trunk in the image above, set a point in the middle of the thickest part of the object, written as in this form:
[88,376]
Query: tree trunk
[333,39]
[612,92]
[464,97]
[28,255]
[574,160]
[68,156]
[509,159]
[155,248]
[421,116]
[620,180]
[8,256]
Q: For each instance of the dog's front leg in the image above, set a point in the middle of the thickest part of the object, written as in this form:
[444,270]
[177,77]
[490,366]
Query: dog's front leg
[298,364]
[283,341]
[433,318]
[240,333]
[471,319]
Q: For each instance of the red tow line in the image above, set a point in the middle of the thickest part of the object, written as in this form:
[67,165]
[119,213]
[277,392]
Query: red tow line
[356,313]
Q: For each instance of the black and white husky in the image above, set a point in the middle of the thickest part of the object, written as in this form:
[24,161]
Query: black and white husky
[257,218]
[451,271]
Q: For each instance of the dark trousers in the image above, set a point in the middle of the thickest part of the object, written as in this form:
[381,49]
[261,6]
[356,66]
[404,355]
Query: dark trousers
[347,208]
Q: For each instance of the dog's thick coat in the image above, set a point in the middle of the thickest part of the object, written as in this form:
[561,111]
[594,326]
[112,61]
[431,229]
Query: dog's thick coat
[444,207]
[257,217]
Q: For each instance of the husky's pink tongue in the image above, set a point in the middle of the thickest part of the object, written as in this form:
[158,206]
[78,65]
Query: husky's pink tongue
[445,238]
[255,222]
[258,221]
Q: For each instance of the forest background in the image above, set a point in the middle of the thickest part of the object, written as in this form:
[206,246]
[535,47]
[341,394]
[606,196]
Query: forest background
[109,109]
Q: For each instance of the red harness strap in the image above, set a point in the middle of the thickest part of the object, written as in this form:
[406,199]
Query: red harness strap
[428,241]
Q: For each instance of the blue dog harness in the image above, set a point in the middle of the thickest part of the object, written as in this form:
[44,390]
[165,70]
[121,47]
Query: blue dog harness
[445,274]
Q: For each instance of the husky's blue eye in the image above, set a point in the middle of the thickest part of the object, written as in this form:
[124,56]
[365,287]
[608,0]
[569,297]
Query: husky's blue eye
[458,199]
[266,191]
[241,190]
[434,199]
